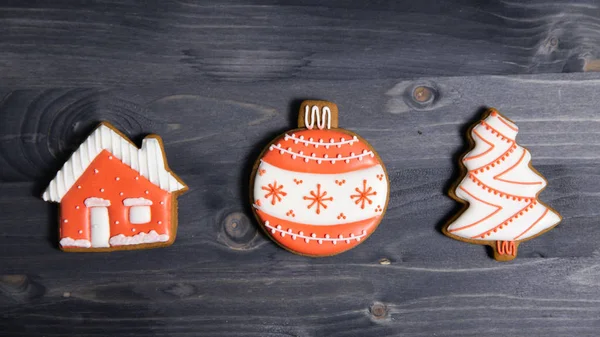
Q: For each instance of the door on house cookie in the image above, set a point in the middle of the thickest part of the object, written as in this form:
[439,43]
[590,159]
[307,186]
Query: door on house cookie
[100,224]
[99,221]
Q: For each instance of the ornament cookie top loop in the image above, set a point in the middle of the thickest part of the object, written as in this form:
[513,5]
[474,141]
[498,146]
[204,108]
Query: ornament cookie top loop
[319,114]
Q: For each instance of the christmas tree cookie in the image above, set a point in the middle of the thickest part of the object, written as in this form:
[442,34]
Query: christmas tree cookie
[319,190]
[500,190]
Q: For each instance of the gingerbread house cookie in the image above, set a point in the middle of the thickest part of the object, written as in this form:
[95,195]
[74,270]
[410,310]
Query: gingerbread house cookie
[115,196]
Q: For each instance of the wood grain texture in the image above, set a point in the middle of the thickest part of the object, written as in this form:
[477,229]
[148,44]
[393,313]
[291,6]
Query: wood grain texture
[222,277]
[65,43]
[219,80]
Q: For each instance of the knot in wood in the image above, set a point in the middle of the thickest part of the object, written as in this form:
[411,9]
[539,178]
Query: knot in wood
[237,231]
[378,310]
[385,261]
[423,94]
[20,288]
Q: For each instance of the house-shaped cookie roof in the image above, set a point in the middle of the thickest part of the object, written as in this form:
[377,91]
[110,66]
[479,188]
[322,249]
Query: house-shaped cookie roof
[149,161]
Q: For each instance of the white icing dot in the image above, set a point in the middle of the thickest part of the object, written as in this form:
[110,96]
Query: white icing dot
[320,241]
[273,231]
[137,178]
[293,156]
[133,229]
[278,226]
[300,233]
[340,236]
[117,222]
[302,137]
[306,160]
[290,230]
[160,222]
[162,202]
[121,193]
[147,192]
[364,151]
[281,152]
[306,240]
[80,231]
[294,237]
[333,241]
[79,186]
[327,236]
[101,190]
[65,220]
[364,232]
[271,148]
[347,241]
[358,238]
[372,155]
[339,156]
[282,234]
[110,157]
[96,171]
[347,161]
[117,178]
[76,207]
[310,139]
[313,235]
[355,138]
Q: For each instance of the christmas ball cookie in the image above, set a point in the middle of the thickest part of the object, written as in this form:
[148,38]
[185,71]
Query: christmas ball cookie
[115,196]
[500,191]
[319,190]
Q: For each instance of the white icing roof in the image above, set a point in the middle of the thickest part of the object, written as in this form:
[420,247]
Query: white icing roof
[149,161]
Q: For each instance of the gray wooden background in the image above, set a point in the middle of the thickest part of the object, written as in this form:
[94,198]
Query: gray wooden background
[218,80]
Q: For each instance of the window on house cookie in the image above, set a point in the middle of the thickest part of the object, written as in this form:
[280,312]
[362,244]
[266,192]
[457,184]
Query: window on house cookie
[139,210]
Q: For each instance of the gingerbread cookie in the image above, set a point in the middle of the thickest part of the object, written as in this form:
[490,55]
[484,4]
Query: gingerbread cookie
[114,196]
[319,190]
[500,190]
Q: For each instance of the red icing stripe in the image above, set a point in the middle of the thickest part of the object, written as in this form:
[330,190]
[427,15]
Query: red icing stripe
[320,151]
[322,240]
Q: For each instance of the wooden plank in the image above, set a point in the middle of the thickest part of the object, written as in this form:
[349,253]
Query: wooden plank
[224,278]
[64,43]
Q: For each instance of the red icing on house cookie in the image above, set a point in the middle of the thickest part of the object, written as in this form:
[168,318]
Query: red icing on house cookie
[319,190]
[113,195]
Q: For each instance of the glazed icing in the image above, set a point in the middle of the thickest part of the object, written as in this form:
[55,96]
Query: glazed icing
[334,198]
[141,238]
[98,189]
[320,151]
[501,188]
[69,242]
[148,161]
